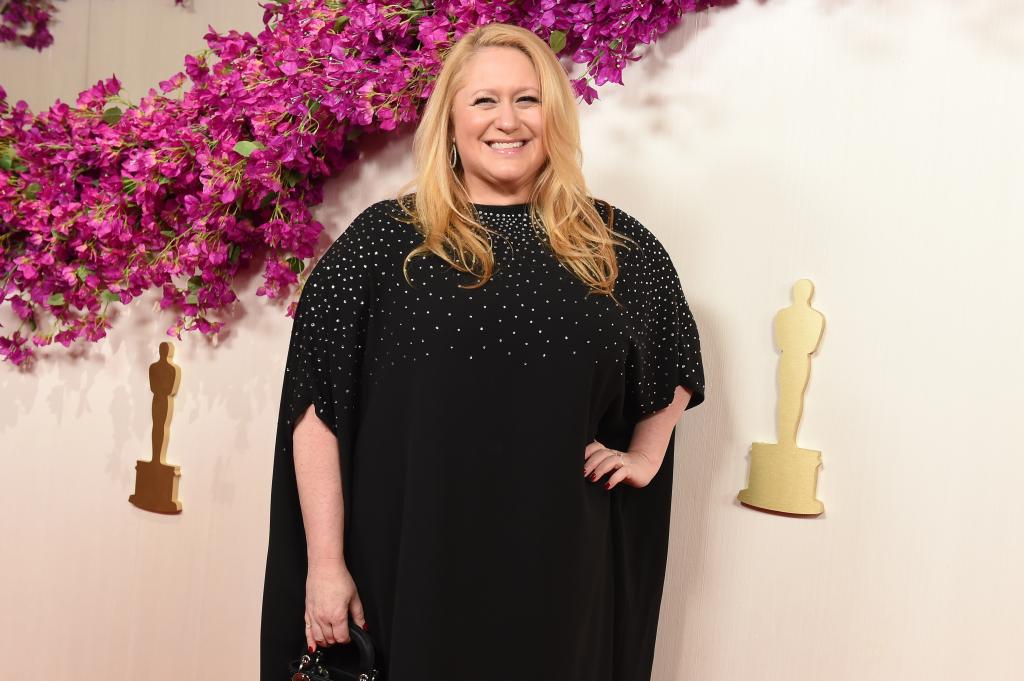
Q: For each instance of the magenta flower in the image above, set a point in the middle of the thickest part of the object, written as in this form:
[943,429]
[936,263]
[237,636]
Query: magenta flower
[17,16]
[106,199]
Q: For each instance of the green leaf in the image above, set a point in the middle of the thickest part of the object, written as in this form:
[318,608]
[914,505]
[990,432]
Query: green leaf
[55,299]
[58,235]
[195,282]
[112,115]
[615,43]
[291,177]
[339,24]
[82,272]
[109,297]
[170,233]
[32,190]
[246,147]
[418,4]
[192,299]
[353,133]
[268,199]
[7,159]
[295,264]
[312,106]
[557,41]
[128,185]
[233,252]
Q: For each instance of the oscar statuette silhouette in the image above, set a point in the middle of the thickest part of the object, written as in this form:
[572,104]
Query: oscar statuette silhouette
[156,481]
[784,477]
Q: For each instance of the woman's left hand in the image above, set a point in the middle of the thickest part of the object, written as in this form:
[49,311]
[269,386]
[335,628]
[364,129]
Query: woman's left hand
[634,467]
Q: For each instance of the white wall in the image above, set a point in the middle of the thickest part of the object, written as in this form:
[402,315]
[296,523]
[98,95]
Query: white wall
[872,147]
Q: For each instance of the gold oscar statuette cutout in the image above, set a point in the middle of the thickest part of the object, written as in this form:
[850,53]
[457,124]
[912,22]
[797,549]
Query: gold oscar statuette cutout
[783,477]
[156,481]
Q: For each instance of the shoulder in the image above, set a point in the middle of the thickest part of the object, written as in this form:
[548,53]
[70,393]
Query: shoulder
[376,220]
[387,220]
[644,263]
[376,230]
[354,251]
[641,242]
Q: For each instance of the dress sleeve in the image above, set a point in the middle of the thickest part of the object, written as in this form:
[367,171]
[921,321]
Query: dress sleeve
[328,333]
[324,363]
[664,341]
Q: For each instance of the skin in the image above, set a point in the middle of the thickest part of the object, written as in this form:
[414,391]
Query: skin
[646,450]
[499,100]
[330,590]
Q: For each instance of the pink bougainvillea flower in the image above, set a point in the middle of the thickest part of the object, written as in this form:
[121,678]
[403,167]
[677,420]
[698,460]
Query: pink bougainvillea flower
[103,200]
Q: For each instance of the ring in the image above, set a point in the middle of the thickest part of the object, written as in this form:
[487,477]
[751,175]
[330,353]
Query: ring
[621,460]
[308,625]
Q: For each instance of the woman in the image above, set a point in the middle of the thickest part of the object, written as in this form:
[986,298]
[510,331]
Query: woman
[458,356]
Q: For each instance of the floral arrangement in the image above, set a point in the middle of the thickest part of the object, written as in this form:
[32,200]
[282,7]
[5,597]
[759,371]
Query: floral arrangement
[105,199]
[16,15]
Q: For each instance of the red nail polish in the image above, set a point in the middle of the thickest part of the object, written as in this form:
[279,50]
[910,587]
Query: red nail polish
[366,626]
[607,485]
[309,648]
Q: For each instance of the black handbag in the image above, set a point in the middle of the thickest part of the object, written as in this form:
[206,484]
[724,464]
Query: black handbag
[309,666]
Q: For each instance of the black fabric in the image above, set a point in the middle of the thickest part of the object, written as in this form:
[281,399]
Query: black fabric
[479,549]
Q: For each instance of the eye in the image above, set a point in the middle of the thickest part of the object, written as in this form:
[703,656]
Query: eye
[529,98]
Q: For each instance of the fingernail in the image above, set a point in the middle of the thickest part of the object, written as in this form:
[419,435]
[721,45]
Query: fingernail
[607,485]
[366,627]
[309,648]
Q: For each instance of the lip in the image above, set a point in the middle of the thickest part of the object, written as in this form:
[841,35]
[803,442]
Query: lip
[507,152]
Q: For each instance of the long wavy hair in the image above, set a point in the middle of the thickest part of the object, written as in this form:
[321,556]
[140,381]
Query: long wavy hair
[441,209]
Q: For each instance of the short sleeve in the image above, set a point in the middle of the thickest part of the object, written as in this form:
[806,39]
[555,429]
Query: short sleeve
[328,333]
[664,341]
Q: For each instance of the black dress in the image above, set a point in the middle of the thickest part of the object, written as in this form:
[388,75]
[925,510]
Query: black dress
[479,550]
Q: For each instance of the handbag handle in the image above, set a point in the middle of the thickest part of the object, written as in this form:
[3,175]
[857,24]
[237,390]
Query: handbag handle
[308,667]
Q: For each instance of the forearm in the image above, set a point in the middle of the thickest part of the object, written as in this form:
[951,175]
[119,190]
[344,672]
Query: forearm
[318,476]
[651,433]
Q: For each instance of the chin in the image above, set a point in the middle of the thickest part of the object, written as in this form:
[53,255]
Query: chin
[505,176]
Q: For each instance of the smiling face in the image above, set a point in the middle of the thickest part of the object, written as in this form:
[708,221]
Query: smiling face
[499,101]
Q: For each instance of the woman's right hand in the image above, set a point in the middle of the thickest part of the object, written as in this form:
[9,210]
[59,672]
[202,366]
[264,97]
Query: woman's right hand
[330,595]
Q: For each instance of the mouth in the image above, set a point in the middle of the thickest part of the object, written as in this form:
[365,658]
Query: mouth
[507,147]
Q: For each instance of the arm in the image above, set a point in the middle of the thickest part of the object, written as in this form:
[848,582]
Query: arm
[646,448]
[330,590]
[651,433]
[318,475]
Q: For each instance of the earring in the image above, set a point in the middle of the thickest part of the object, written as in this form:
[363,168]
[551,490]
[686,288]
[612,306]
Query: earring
[454,156]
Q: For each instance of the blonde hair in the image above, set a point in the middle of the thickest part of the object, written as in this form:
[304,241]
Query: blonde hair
[441,208]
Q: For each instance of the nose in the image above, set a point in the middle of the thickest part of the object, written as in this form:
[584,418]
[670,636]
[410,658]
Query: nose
[508,117]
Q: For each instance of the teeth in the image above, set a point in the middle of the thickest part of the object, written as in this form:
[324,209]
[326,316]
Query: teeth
[506,145]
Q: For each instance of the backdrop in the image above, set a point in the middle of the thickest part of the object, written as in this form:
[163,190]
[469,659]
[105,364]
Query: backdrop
[873,147]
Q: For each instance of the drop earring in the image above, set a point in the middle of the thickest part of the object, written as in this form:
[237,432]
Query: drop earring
[454,156]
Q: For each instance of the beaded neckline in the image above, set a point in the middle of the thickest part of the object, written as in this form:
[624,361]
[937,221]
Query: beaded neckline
[505,208]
